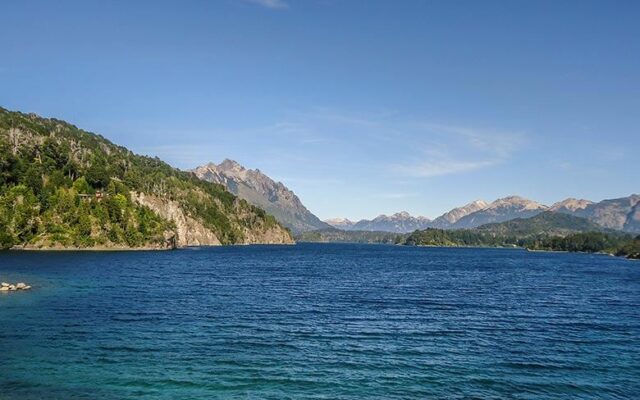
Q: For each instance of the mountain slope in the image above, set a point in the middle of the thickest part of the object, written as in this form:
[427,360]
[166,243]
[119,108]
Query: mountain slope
[449,218]
[261,191]
[62,187]
[545,223]
[501,210]
[401,222]
[570,205]
[621,214]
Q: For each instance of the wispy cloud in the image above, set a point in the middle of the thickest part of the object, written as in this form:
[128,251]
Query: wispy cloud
[394,147]
[451,149]
[273,4]
[428,169]
[500,143]
[398,146]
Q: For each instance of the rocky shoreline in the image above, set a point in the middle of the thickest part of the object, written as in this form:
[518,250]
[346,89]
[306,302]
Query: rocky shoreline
[91,248]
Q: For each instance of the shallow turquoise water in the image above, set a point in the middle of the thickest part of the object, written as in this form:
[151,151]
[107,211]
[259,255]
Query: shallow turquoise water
[320,321]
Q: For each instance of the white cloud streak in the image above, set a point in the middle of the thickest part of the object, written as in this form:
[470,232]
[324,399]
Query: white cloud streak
[452,149]
[272,4]
[429,169]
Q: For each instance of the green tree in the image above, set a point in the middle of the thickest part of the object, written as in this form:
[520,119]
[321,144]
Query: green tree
[82,186]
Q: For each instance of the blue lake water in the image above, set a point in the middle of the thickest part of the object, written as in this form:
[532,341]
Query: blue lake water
[320,321]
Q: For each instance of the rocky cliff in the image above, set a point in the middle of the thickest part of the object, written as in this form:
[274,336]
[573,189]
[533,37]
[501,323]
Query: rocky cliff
[188,231]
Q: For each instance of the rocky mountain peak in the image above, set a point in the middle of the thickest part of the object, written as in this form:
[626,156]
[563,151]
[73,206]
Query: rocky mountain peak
[228,164]
[571,204]
[342,223]
[480,204]
[516,201]
[260,190]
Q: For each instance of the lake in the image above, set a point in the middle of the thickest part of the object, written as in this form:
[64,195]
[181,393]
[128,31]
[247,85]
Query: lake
[324,321]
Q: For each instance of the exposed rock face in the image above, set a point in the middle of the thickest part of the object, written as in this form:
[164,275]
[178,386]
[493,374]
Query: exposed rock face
[189,231]
[501,210]
[261,191]
[449,218]
[340,223]
[620,214]
[271,234]
[401,222]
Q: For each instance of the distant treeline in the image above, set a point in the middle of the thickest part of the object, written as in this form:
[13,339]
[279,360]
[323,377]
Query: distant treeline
[619,244]
[333,235]
[591,242]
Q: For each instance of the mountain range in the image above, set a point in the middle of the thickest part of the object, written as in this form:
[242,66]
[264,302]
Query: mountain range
[260,190]
[618,214]
[401,222]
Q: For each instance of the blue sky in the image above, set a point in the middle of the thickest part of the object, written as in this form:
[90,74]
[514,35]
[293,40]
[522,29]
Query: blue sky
[360,107]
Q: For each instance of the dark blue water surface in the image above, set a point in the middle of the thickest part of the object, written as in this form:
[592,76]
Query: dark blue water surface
[320,321]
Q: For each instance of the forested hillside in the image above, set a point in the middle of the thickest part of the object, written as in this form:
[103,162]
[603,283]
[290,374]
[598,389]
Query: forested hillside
[64,187]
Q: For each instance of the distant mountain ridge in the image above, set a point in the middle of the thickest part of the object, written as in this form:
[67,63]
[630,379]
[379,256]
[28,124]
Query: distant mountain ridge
[401,222]
[260,190]
[453,216]
[501,210]
[618,214]
[340,223]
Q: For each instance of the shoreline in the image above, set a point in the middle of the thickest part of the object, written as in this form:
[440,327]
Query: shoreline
[127,249]
[88,249]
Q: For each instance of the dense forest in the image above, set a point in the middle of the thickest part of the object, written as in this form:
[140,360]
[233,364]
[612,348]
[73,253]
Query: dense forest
[460,237]
[592,242]
[62,186]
